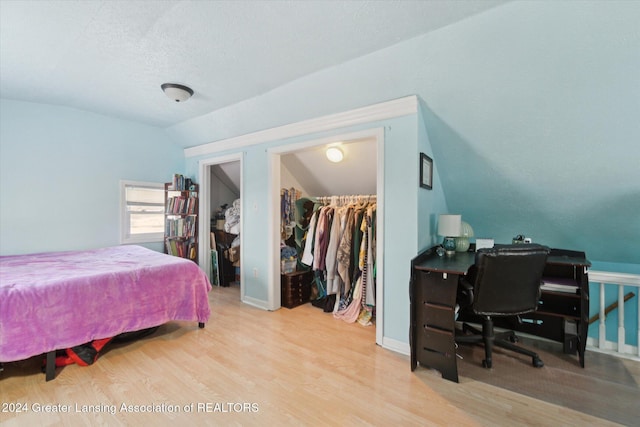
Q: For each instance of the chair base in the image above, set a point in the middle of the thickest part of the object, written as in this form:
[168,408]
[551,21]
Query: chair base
[505,340]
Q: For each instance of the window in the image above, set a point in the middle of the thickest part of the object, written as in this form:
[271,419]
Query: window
[142,212]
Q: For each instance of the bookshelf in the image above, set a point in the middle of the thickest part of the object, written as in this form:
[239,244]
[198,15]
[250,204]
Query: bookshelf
[181,218]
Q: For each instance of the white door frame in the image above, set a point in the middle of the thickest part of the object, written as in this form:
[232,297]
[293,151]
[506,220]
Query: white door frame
[204,212]
[273,155]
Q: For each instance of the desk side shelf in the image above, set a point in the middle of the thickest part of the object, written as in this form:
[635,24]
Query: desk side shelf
[563,316]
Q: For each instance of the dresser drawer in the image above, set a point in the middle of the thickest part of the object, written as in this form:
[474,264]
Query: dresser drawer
[297,277]
[302,292]
[295,288]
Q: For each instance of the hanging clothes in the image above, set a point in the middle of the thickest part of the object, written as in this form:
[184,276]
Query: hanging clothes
[307,253]
[343,256]
[368,270]
[370,299]
[340,248]
[323,225]
[334,282]
[352,311]
[288,198]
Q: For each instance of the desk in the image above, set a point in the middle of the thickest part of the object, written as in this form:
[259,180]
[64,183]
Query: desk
[561,316]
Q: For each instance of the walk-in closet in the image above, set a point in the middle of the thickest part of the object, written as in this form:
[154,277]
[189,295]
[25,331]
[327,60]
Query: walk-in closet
[328,230]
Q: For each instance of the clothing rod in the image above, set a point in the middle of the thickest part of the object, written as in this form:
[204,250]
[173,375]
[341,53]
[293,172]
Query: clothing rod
[346,198]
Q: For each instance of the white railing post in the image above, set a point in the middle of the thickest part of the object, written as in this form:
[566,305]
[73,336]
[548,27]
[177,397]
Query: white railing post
[602,332]
[621,335]
[621,347]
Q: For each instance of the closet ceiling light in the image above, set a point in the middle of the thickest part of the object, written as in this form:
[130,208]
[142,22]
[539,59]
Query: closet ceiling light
[178,93]
[334,154]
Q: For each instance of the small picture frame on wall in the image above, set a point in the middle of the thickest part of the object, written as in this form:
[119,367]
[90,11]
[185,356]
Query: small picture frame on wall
[426,171]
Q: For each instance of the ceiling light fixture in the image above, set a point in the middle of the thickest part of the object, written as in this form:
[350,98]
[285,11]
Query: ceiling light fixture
[334,154]
[178,93]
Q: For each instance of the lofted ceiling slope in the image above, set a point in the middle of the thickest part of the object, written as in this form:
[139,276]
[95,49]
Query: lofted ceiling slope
[110,57]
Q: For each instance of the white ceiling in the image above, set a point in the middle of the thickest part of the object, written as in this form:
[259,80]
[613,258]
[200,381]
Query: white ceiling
[317,176]
[111,57]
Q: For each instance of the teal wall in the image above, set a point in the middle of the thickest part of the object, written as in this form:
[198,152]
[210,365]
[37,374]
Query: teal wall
[431,203]
[405,232]
[531,110]
[60,172]
[540,126]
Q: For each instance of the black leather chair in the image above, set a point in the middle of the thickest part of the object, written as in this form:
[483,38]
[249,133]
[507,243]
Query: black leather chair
[504,281]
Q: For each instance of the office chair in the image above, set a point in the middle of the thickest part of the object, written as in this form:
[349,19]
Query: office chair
[504,281]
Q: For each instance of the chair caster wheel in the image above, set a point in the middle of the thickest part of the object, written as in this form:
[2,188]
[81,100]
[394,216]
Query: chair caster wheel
[537,363]
[486,363]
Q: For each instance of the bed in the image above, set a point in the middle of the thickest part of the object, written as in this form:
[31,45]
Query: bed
[53,301]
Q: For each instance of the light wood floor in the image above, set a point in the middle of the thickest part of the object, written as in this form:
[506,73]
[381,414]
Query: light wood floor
[251,367]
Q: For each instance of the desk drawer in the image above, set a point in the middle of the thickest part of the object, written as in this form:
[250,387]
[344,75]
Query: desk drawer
[436,340]
[433,288]
[441,317]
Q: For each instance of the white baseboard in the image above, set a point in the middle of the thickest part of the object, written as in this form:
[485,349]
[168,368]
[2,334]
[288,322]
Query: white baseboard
[611,348]
[255,303]
[397,346]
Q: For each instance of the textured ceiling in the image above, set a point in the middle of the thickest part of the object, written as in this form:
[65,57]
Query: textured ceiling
[111,57]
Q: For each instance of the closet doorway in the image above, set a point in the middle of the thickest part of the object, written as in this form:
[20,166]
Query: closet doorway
[221,216]
[305,167]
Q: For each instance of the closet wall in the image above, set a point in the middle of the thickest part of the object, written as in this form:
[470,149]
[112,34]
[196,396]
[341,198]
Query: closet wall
[402,207]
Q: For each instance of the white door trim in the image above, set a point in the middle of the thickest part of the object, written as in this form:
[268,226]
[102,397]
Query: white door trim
[381,111]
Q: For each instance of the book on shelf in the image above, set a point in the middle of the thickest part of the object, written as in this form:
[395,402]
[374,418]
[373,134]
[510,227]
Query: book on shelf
[182,248]
[181,227]
[180,183]
[181,217]
[180,205]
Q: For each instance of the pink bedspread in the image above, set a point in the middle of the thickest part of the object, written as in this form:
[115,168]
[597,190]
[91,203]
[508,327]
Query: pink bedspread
[52,301]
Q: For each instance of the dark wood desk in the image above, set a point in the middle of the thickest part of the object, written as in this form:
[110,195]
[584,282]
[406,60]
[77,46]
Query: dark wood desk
[561,316]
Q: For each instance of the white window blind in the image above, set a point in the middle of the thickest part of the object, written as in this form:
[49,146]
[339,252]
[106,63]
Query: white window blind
[142,212]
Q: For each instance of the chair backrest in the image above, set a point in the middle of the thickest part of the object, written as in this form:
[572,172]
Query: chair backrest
[507,279]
